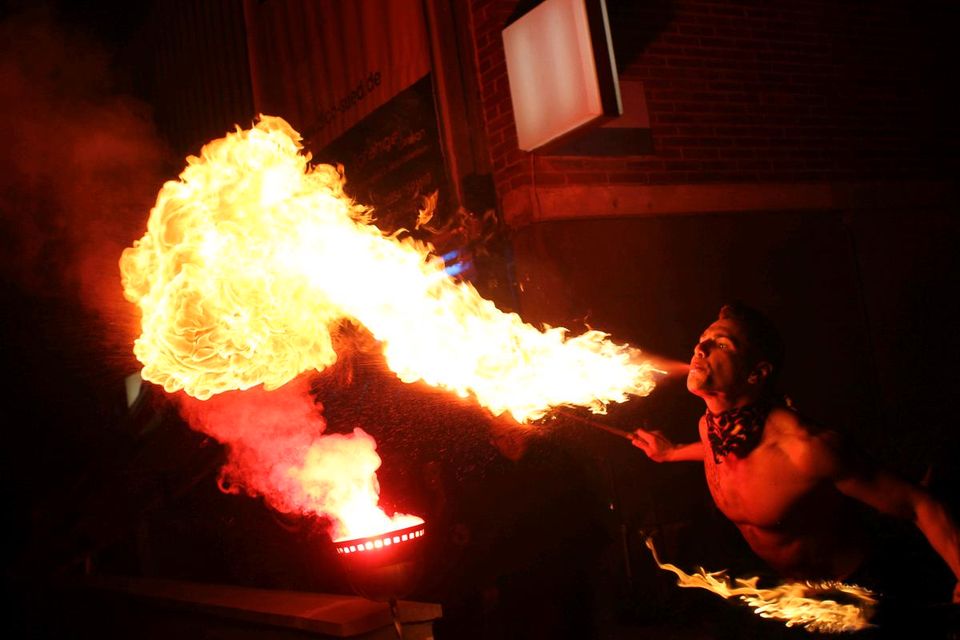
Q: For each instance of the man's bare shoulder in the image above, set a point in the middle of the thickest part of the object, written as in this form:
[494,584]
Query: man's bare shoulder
[809,446]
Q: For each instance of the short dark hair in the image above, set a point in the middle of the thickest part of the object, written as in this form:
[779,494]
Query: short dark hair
[762,334]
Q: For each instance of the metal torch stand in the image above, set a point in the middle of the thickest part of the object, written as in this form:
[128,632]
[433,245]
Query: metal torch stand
[413,620]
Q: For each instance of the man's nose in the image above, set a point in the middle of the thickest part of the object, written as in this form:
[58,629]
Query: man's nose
[702,348]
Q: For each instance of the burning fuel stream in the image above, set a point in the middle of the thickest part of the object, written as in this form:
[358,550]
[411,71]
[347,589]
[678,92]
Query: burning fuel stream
[250,264]
[253,257]
[806,604]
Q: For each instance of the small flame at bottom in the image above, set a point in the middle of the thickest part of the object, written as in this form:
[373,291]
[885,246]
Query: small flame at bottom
[805,604]
[277,448]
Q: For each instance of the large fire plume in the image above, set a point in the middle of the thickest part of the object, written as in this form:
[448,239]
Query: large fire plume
[252,262]
[828,606]
[254,256]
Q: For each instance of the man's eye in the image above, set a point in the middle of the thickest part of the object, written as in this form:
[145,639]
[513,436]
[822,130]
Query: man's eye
[722,346]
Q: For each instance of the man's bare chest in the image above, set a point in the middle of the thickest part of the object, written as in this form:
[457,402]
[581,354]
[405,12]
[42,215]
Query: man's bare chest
[761,489]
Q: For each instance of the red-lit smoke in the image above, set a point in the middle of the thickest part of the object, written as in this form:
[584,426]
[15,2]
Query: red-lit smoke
[80,164]
[277,449]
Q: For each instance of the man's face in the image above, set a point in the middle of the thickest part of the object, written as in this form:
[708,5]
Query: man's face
[720,362]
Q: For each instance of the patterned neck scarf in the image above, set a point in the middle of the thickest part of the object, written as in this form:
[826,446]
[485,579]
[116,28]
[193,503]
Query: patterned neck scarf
[736,431]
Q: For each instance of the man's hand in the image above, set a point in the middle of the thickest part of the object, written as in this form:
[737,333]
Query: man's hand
[657,447]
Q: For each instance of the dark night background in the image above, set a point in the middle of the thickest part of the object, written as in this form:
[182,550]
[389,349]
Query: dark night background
[866,297]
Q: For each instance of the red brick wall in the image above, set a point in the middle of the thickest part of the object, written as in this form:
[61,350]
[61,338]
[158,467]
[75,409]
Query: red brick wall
[741,91]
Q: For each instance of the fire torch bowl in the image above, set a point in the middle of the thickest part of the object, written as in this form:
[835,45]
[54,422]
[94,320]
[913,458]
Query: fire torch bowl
[386,566]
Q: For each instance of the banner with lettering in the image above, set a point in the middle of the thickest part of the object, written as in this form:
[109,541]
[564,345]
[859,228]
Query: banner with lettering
[323,65]
[392,160]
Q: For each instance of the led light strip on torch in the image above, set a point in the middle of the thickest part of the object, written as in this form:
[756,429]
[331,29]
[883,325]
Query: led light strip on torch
[385,566]
[373,543]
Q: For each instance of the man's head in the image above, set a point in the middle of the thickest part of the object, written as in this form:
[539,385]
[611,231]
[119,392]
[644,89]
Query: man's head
[738,356]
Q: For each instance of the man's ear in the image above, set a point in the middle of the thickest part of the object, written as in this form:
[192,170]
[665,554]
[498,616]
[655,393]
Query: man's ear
[761,372]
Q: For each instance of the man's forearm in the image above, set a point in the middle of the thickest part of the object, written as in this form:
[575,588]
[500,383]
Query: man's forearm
[941,531]
[890,495]
[682,452]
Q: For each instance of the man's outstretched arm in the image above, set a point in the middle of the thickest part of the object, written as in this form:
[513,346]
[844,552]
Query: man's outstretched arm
[890,495]
[660,449]
[893,496]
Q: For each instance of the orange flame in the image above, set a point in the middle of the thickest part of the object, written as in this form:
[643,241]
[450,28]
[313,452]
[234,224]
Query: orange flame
[807,604]
[252,258]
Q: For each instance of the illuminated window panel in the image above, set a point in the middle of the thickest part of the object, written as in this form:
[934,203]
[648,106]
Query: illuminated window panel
[552,69]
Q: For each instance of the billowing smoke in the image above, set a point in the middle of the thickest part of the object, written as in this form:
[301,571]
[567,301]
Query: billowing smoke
[80,165]
[277,450]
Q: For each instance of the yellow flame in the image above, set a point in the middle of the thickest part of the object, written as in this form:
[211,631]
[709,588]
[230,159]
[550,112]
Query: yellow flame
[252,258]
[425,215]
[805,604]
